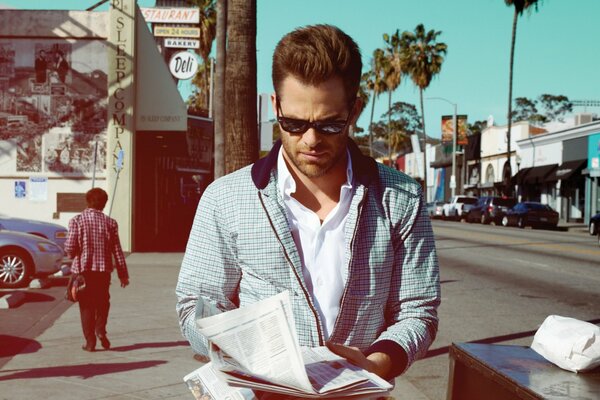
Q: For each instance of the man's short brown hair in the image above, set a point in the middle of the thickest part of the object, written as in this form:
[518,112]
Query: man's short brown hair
[314,54]
[96,198]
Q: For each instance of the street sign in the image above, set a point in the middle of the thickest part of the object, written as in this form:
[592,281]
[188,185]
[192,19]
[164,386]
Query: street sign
[183,65]
[452,182]
[180,43]
[120,157]
[177,31]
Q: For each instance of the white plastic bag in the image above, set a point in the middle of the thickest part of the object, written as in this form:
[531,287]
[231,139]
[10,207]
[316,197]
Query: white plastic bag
[569,343]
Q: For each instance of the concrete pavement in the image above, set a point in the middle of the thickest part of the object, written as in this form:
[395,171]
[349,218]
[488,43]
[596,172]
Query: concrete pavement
[148,358]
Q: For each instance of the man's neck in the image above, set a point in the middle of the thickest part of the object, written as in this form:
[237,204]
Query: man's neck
[320,194]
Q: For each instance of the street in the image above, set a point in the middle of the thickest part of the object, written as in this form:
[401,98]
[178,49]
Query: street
[498,285]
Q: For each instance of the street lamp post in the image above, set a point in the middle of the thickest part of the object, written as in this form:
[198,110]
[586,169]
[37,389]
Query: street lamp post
[454,134]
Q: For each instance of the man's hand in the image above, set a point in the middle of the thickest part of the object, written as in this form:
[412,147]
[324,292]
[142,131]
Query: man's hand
[378,363]
[124,282]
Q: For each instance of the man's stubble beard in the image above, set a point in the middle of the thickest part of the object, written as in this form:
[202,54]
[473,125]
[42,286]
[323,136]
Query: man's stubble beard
[314,170]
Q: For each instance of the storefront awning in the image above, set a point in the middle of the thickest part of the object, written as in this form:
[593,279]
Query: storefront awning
[566,170]
[539,174]
[517,179]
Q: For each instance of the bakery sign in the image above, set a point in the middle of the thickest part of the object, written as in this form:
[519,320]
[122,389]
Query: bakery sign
[181,43]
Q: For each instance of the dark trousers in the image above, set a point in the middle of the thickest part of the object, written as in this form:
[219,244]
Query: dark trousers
[94,304]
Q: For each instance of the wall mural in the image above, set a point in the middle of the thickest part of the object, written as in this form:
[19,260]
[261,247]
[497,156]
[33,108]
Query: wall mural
[53,106]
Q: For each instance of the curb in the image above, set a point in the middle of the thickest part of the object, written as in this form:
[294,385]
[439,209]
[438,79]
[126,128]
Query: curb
[12,300]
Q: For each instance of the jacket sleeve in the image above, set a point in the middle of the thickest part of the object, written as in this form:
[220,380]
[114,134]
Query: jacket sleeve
[415,290]
[209,275]
[72,244]
[117,251]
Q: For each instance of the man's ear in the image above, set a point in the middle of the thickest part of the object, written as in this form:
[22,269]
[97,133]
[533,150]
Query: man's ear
[356,110]
[274,103]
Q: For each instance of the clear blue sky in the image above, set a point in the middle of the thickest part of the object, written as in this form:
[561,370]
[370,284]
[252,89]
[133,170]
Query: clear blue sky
[556,53]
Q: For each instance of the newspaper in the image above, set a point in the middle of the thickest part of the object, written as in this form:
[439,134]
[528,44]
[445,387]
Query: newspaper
[256,347]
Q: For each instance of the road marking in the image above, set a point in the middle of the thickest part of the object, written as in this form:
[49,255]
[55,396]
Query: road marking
[523,242]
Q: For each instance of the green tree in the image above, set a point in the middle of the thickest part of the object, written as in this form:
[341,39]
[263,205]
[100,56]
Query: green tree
[519,6]
[392,73]
[422,58]
[476,127]
[526,110]
[403,120]
[555,106]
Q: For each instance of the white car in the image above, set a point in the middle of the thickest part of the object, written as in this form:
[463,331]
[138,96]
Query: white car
[23,256]
[454,209]
[53,232]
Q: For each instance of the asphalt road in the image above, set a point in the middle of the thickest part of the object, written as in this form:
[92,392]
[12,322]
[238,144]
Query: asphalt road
[498,286]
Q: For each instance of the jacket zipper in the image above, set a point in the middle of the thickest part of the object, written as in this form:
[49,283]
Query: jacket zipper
[360,208]
[287,257]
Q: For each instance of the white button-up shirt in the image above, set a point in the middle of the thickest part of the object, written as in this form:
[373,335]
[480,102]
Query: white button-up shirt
[322,247]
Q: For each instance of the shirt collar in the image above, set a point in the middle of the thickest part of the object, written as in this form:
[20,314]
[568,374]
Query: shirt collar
[286,183]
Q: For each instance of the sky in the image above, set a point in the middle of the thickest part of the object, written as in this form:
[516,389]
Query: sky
[556,50]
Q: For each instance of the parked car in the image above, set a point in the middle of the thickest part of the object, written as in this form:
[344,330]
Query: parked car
[54,232]
[594,227]
[490,209]
[23,256]
[454,208]
[434,209]
[532,214]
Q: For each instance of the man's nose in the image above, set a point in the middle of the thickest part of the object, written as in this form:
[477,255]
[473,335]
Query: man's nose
[311,137]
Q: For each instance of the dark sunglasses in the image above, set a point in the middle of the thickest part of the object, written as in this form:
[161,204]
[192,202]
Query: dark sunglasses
[299,126]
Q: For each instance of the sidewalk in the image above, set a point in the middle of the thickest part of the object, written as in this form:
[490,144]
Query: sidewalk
[148,358]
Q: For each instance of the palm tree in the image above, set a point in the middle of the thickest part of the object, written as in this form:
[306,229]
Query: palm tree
[519,6]
[422,59]
[219,114]
[392,75]
[208,22]
[241,132]
[374,81]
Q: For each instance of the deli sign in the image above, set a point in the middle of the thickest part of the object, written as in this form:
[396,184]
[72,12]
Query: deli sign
[181,43]
[183,65]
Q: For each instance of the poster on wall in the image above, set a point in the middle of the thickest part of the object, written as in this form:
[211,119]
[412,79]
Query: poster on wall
[53,106]
[38,188]
[20,189]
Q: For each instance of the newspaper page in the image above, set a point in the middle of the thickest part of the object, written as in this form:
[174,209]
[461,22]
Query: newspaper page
[205,384]
[262,339]
[257,347]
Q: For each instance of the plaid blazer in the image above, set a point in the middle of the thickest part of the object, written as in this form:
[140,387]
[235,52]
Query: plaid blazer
[241,250]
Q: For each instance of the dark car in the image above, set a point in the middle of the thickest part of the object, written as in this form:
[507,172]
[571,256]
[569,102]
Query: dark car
[532,214]
[595,225]
[490,209]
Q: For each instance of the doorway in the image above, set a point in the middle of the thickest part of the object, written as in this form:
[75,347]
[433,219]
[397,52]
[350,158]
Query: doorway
[168,186]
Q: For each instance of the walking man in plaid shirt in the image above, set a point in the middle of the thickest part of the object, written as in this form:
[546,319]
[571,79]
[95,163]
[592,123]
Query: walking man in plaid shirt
[93,244]
[347,237]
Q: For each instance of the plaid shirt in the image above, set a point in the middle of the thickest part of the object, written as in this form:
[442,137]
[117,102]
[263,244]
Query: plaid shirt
[93,241]
[241,250]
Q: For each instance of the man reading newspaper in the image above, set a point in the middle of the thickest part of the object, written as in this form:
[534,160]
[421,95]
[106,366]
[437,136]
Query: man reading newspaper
[347,237]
